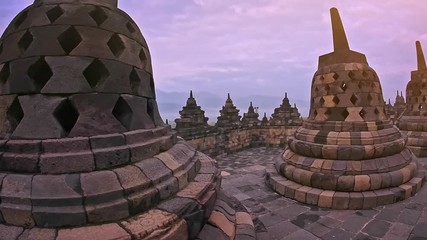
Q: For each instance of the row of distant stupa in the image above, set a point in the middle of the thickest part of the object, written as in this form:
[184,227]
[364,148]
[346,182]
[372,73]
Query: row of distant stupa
[86,155]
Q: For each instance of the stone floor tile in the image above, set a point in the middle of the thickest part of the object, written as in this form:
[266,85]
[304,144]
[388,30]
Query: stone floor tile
[300,234]
[376,228]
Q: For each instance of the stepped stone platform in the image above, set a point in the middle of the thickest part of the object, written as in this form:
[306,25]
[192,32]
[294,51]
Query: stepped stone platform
[277,217]
[84,153]
[414,119]
[347,154]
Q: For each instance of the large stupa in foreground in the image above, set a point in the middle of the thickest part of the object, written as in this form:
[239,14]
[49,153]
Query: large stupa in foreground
[85,153]
[347,154]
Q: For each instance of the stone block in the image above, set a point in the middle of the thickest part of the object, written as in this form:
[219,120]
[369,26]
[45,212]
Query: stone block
[95,115]
[57,201]
[187,209]
[65,68]
[103,194]
[57,163]
[356,200]
[12,232]
[140,118]
[144,224]
[376,181]
[66,145]
[219,220]
[137,136]
[111,157]
[144,150]
[396,178]
[341,200]
[361,183]
[16,200]
[107,141]
[369,199]
[19,162]
[46,126]
[301,193]
[154,169]
[104,231]
[313,196]
[325,199]
[38,233]
[384,196]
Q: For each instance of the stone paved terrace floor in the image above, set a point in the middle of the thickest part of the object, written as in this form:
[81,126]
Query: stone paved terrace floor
[277,217]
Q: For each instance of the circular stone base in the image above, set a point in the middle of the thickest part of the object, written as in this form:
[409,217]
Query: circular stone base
[179,217]
[417,142]
[343,200]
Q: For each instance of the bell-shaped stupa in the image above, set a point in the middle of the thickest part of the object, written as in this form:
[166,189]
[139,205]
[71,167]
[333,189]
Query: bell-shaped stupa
[85,153]
[414,119]
[347,154]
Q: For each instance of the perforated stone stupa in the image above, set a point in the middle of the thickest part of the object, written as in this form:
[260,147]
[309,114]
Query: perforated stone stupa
[192,121]
[85,153]
[286,114]
[414,119]
[347,154]
[251,117]
[229,115]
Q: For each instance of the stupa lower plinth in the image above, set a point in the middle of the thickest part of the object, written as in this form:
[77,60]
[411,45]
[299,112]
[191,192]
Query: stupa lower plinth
[347,154]
[414,119]
[84,151]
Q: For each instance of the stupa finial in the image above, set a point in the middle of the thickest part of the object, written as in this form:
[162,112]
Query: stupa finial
[420,57]
[338,32]
[191,93]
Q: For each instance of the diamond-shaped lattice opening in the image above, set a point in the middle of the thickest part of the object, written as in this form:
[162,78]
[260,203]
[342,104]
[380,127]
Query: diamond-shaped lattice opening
[40,73]
[135,81]
[360,85]
[95,73]
[98,15]
[328,112]
[130,27]
[369,98]
[353,99]
[365,74]
[344,113]
[4,73]
[424,98]
[376,111]
[54,13]
[335,76]
[343,86]
[123,113]
[20,19]
[327,88]
[142,56]
[116,45]
[322,101]
[336,100]
[25,41]
[15,114]
[316,89]
[351,75]
[69,39]
[315,113]
[362,113]
[66,115]
[423,85]
[322,78]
